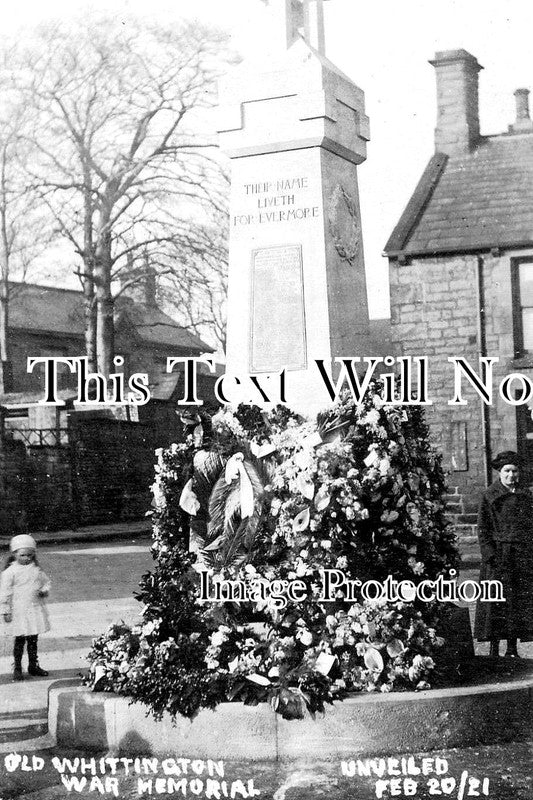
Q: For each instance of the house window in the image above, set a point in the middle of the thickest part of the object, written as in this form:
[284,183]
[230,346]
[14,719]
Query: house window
[524,431]
[523,305]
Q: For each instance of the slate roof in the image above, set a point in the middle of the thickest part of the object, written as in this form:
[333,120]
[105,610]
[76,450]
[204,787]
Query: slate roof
[156,327]
[48,309]
[471,202]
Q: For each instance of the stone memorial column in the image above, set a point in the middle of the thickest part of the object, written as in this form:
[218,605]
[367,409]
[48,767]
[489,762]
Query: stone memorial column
[295,129]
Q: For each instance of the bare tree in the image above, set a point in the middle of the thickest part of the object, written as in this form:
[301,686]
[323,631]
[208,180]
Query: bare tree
[23,230]
[196,290]
[121,164]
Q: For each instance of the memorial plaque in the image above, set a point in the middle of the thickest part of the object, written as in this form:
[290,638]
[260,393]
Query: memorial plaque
[277,331]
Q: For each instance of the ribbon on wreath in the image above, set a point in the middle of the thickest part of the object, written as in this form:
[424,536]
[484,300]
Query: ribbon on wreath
[188,500]
[235,469]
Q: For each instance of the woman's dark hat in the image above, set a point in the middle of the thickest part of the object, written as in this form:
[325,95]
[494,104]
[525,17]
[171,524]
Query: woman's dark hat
[507,457]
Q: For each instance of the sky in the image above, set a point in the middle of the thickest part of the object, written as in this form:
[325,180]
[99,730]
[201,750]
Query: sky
[384,47]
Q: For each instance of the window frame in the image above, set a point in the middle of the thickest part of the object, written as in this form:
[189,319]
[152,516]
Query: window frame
[520,350]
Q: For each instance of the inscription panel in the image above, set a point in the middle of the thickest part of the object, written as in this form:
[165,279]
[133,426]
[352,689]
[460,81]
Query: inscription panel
[277,330]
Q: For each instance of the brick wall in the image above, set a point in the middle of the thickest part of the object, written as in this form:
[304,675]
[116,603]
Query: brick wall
[48,501]
[103,474]
[112,468]
[12,488]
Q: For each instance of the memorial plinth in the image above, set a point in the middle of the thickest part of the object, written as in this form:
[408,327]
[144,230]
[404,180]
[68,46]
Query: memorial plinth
[295,131]
[363,725]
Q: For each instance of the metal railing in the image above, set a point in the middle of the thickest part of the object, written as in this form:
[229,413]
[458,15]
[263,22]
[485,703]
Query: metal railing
[38,437]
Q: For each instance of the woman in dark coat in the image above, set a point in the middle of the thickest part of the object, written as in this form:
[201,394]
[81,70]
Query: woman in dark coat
[505,531]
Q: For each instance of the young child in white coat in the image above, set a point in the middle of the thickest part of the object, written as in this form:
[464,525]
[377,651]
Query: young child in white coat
[23,589]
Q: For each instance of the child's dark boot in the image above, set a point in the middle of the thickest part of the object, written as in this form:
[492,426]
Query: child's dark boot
[33,664]
[37,671]
[18,649]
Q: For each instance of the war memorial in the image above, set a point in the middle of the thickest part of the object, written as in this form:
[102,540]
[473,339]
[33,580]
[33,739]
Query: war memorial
[282,495]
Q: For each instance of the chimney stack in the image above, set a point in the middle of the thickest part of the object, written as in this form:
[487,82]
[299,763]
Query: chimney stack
[149,283]
[523,122]
[457,130]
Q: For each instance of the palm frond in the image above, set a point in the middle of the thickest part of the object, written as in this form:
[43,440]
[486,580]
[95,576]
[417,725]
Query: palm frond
[207,468]
[230,538]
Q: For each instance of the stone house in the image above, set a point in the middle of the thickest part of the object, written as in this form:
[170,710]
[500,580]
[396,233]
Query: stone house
[49,321]
[461,281]
[63,465]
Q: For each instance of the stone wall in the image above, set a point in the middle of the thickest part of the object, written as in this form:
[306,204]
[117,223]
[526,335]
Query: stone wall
[433,304]
[435,313]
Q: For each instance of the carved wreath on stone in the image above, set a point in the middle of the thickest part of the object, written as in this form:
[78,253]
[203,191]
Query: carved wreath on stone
[343,218]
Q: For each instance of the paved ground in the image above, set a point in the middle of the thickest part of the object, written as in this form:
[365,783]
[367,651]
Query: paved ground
[497,772]
[93,585]
[89,533]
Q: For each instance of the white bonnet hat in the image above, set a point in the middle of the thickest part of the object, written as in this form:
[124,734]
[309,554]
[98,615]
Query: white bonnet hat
[22,540]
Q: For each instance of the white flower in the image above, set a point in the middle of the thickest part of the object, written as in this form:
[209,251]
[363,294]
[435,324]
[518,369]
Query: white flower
[275,506]
[305,636]
[217,638]
[149,627]
[384,466]
[371,418]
